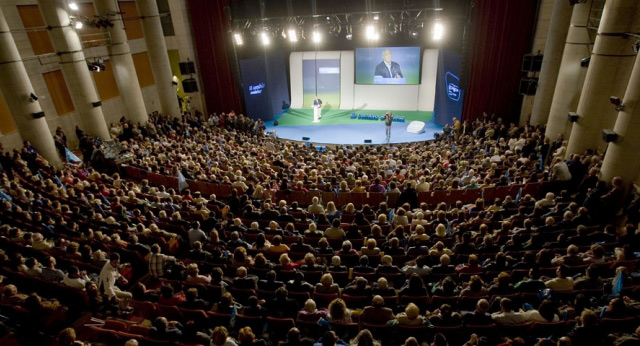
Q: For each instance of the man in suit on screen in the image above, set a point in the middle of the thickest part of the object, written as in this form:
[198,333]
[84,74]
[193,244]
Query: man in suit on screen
[388,68]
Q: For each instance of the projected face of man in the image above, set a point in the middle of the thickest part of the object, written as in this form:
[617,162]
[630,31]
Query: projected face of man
[386,56]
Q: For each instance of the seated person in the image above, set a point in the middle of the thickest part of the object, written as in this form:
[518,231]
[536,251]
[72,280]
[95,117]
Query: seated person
[371,248]
[445,266]
[326,285]
[382,289]
[336,265]
[244,281]
[323,247]
[474,288]
[411,317]
[445,288]
[254,308]
[415,287]
[310,313]
[192,301]
[270,283]
[282,306]
[444,316]
[506,314]
[479,316]
[377,313]
[561,282]
[194,278]
[164,330]
[363,266]
[298,284]
[386,266]
[310,264]
[358,287]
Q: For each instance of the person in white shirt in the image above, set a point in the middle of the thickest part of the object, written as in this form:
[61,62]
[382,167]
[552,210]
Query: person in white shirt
[75,278]
[109,275]
[561,282]
[506,314]
[560,170]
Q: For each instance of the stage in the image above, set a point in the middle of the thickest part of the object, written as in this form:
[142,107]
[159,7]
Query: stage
[340,127]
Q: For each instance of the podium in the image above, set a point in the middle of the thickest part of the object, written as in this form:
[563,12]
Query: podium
[317,113]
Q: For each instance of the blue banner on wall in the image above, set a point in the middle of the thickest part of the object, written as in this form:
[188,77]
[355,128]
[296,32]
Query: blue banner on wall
[449,95]
[264,84]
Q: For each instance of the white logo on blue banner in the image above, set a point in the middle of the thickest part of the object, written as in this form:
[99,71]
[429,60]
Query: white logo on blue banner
[453,90]
[256,89]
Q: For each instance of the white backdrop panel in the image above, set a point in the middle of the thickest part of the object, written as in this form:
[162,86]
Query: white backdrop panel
[383,97]
[427,93]
[295,66]
[346,79]
[333,54]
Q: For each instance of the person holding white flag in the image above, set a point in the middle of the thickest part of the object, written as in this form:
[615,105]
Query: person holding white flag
[182,182]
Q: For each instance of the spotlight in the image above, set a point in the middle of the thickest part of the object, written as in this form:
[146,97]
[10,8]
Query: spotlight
[438,31]
[376,17]
[413,34]
[265,38]
[316,37]
[237,37]
[73,6]
[609,135]
[585,62]
[293,35]
[371,33]
[617,103]
[349,36]
[78,25]
[573,117]
[33,97]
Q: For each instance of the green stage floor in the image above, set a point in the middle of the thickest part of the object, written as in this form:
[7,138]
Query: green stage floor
[304,117]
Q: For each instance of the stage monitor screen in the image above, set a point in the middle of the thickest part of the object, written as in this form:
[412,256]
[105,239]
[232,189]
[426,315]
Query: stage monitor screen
[388,65]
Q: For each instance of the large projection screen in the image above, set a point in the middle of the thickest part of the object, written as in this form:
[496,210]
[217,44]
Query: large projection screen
[388,65]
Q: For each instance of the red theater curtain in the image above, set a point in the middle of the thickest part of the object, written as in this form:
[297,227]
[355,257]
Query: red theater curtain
[502,31]
[210,31]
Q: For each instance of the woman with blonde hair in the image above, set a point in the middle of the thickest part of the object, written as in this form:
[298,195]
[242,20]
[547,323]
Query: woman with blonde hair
[326,285]
[193,276]
[344,187]
[286,264]
[331,212]
[313,231]
[220,337]
[371,248]
[349,209]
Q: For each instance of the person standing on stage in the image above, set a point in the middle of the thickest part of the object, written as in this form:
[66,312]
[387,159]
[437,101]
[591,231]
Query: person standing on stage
[317,109]
[388,120]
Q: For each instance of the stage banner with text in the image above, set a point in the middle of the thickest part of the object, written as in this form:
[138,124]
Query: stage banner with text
[449,95]
[321,77]
[264,84]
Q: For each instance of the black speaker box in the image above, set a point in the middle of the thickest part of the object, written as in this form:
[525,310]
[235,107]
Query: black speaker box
[187,67]
[528,86]
[37,115]
[189,85]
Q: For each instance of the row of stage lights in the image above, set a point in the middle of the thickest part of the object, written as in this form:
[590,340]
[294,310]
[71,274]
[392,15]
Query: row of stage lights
[371,34]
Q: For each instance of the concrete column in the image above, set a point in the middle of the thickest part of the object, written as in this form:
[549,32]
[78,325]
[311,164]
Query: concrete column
[16,89]
[621,158]
[157,48]
[558,28]
[124,70]
[608,75]
[571,75]
[66,43]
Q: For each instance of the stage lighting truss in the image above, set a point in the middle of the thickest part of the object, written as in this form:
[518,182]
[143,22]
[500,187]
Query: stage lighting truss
[366,25]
